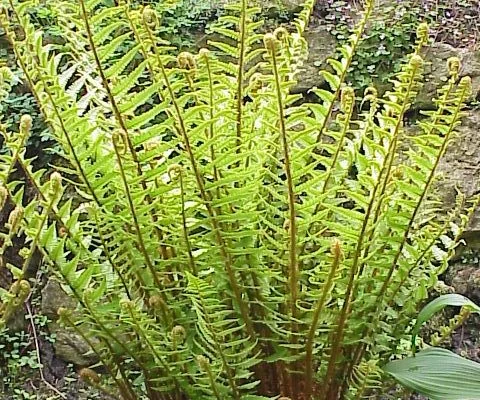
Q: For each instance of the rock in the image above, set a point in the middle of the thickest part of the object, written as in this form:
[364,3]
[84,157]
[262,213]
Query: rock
[321,45]
[465,278]
[69,346]
[436,70]
[53,297]
[461,168]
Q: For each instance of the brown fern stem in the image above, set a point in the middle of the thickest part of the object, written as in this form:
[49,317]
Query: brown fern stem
[205,196]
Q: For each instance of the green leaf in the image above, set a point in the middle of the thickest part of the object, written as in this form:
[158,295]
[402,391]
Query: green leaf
[439,304]
[438,374]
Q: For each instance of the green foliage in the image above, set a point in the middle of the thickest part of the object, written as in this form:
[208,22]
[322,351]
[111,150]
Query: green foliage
[434,372]
[439,304]
[438,374]
[228,240]
[392,31]
[183,21]
[19,359]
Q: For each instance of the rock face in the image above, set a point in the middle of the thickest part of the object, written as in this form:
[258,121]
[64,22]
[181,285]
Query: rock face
[465,279]
[69,346]
[436,57]
[321,45]
[53,297]
[461,167]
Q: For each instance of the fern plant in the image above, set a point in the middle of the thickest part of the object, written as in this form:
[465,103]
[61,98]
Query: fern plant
[223,238]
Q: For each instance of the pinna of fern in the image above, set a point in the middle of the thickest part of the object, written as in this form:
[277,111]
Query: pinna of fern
[227,240]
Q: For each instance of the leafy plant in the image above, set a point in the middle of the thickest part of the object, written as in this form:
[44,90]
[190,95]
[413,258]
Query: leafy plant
[392,31]
[230,241]
[439,373]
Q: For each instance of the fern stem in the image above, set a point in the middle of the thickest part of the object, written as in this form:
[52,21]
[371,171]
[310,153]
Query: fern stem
[136,224]
[357,38]
[204,195]
[140,331]
[327,288]
[211,379]
[293,262]
[356,41]
[60,121]
[115,267]
[430,178]
[119,118]
[330,390]
[326,181]
[124,386]
[241,70]
[226,367]
[293,266]
[34,243]
[115,339]
[216,175]
[191,259]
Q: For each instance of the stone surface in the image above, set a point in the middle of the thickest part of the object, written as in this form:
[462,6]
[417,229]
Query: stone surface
[69,346]
[321,45]
[465,279]
[461,167]
[436,57]
[53,297]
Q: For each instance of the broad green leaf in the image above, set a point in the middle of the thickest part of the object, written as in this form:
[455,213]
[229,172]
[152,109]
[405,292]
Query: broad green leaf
[438,374]
[439,304]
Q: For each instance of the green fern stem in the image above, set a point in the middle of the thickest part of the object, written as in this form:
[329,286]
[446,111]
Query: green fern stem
[18,147]
[113,336]
[210,110]
[106,85]
[137,327]
[211,380]
[114,266]
[357,38]
[346,125]
[456,116]
[354,44]
[34,243]
[204,194]
[293,266]
[456,239]
[126,390]
[60,121]
[191,260]
[436,119]
[389,161]
[386,168]
[136,225]
[9,34]
[292,231]
[327,288]
[382,291]
[225,366]
[121,122]
[330,389]
[241,70]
